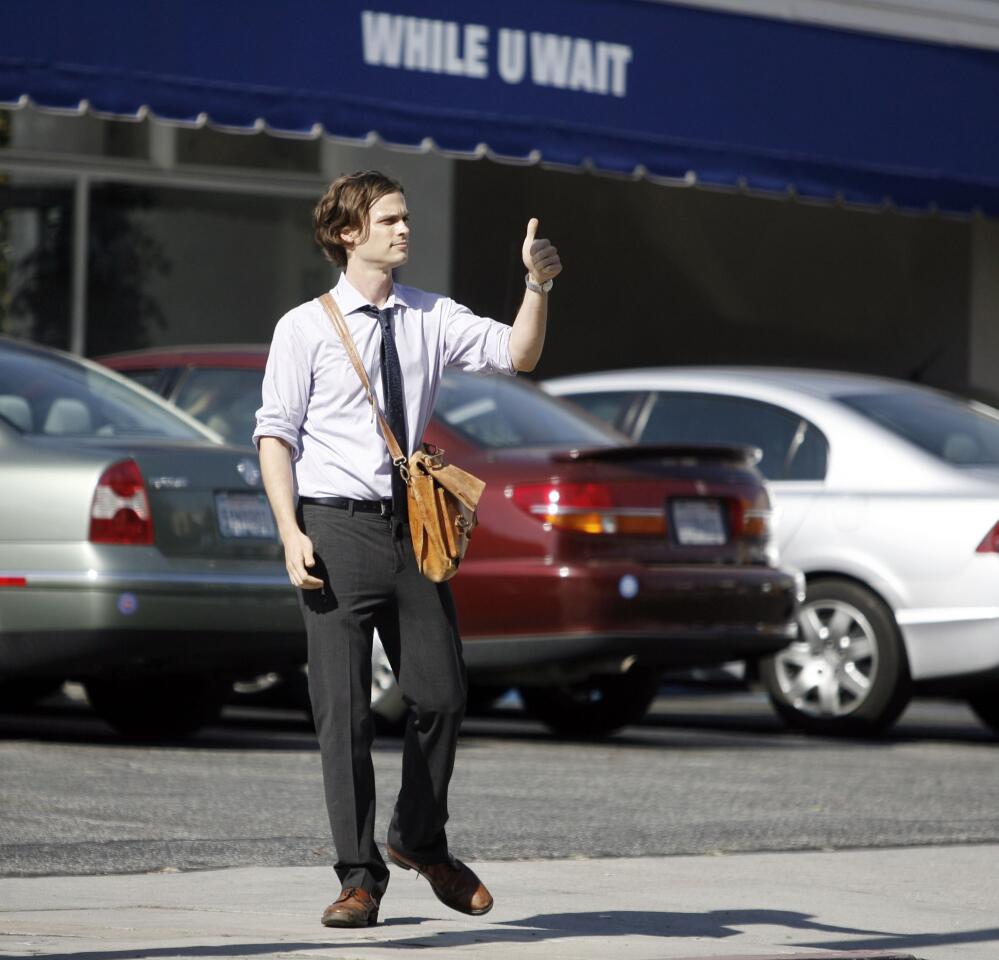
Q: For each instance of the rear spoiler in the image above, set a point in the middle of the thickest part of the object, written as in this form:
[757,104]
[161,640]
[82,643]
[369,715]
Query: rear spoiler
[726,453]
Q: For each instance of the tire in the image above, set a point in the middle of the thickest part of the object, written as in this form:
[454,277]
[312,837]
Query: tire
[847,673]
[167,707]
[482,697]
[595,707]
[25,692]
[983,702]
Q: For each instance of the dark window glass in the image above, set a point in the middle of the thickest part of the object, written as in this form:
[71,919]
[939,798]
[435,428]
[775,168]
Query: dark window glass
[36,230]
[194,266]
[708,418]
[224,399]
[608,406]
[58,396]
[947,427]
[501,412]
[148,378]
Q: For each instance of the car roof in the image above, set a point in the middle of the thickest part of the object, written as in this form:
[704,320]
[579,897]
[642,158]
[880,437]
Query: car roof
[824,384]
[62,356]
[219,354]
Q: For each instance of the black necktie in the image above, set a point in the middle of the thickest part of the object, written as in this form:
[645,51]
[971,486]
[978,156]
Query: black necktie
[395,410]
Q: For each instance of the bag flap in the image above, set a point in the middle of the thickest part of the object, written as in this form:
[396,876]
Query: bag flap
[464,485]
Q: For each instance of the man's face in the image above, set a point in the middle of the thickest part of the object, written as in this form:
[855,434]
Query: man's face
[387,242]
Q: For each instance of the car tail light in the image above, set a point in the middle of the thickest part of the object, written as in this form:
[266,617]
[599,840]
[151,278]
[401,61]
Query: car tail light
[120,511]
[586,508]
[752,519]
[990,543]
[13,581]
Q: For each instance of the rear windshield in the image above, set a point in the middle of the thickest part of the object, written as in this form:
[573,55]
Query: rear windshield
[51,395]
[223,398]
[498,412]
[958,431]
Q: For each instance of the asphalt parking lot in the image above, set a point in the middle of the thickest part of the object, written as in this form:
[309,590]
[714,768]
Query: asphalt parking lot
[706,774]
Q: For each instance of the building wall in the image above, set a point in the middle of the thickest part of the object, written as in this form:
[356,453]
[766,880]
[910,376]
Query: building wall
[177,252]
[973,23]
[983,312]
[660,275]
[654,274]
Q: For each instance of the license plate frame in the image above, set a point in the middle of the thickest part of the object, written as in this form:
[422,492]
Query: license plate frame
[698,522]
[244,516]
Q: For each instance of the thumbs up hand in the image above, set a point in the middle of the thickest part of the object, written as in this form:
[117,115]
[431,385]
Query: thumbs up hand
[540,257]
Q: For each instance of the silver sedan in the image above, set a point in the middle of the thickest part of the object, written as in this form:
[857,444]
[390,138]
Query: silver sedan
[137,552]
[887,498]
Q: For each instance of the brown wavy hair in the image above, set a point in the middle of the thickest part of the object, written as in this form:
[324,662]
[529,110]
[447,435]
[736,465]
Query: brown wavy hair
[345,206]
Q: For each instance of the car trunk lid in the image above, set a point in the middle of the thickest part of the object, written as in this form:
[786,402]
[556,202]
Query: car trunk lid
[205,500]
[662,504]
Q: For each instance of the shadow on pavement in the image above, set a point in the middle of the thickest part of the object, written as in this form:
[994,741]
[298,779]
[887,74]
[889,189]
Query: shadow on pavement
[713,925]
[677,721]
[272,731]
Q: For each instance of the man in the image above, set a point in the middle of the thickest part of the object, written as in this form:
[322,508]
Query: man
[347,548]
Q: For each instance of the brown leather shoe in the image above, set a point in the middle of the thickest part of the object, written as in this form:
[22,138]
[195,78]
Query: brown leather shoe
[353,908]
[453,883]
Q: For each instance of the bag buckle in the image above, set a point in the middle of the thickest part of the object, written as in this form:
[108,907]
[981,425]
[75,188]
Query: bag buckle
[433,456]
[400,463]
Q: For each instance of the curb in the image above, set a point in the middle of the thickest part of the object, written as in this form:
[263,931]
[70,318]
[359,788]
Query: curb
[837,955]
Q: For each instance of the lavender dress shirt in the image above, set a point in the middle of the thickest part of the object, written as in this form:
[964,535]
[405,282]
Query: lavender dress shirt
[314,401]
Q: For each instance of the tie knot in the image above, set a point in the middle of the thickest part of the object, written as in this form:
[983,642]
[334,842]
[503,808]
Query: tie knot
[382,316]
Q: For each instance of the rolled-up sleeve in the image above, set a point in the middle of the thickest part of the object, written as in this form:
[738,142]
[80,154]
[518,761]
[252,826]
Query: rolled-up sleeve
[476,344]
[286,387]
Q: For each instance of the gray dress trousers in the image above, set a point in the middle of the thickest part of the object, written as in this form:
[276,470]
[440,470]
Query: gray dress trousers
[372,581]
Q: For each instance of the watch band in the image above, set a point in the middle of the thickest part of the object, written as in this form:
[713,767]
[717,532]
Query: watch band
[538,288]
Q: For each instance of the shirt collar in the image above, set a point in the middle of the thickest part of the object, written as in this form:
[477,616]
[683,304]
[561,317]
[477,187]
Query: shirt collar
[350,300]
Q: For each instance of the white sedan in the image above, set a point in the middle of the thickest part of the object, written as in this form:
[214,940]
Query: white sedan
[887,498]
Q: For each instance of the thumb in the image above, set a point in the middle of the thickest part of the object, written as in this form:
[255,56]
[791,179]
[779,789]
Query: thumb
[532,229]
[307,558]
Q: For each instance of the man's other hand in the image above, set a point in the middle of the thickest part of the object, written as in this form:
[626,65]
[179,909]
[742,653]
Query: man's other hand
[540,257]
[298,557]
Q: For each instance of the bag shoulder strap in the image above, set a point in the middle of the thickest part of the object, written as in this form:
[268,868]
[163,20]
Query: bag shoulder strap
[340,325]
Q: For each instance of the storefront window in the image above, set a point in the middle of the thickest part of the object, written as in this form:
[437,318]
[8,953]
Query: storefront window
[164,266]
[174,266]
[36,229]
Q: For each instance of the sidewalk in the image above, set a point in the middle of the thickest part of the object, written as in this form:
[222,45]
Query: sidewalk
[932,903]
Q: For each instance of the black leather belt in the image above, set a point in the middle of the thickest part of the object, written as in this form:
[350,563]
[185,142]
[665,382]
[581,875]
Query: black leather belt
[383,507]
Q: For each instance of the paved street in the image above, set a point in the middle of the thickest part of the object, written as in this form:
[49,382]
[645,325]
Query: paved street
[704,775]
[886,847]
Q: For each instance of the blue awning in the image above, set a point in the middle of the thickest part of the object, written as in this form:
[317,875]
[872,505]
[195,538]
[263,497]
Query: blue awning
[619,85]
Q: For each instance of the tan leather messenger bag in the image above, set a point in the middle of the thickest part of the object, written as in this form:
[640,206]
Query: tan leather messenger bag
[442,498]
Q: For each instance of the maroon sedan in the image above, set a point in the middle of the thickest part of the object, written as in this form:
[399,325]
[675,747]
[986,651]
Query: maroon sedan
[596,564]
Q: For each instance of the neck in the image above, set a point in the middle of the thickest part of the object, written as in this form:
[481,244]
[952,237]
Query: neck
[374,283]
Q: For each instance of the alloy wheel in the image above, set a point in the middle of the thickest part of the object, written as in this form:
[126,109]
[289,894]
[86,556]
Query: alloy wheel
[830,670]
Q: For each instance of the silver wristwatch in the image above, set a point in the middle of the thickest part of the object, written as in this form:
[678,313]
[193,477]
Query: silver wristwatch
[538,288]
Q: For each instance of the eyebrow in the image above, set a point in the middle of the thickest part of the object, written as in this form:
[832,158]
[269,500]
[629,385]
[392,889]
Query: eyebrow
[393,216]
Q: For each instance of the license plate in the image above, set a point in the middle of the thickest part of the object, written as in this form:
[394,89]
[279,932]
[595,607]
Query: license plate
[244,516]
[698,522]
